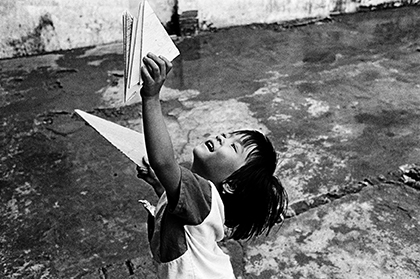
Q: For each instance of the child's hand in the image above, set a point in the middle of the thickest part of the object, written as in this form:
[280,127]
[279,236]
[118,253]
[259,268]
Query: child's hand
[148,175]
[153,74]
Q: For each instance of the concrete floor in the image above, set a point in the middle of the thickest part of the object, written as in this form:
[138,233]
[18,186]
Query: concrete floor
[340,100]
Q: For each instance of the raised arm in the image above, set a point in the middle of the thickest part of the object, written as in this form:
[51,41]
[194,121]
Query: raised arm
[158,142]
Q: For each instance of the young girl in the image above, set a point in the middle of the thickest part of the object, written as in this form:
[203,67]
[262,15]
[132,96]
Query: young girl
[230,183]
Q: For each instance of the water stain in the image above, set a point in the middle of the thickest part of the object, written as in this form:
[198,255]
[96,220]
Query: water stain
[387,118]
[308,87]
[34,42]
[319,57]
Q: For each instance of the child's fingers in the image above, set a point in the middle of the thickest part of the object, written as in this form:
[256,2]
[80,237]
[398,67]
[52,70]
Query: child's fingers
[152,65]
[146,75]
[145,175]
[160,63]
[146,161]
[142,172]
[164,65]
[151,172]
[140,169]
[149,207]
[148,178]
[168,64]
[145,171]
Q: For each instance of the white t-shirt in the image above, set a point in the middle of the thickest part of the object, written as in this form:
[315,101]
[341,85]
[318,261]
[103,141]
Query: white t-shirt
[185,236]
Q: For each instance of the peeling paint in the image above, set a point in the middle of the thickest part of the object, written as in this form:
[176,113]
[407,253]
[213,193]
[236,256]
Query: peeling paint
[20,201]
[316,108]
[12,209]
[345,132]
[280,117]
[303,162]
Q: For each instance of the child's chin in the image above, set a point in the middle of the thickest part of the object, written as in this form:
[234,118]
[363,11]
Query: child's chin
[200,151]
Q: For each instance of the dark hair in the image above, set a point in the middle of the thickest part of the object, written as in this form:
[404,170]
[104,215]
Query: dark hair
[258,200]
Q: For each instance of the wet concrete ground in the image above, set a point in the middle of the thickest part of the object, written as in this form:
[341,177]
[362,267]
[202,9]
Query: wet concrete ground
[339,99]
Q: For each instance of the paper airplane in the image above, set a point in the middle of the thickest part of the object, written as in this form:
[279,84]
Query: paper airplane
[128,141]
[141,35]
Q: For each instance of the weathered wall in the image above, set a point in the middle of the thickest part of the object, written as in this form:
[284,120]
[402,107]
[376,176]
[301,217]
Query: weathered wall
[223,13]
[35,26]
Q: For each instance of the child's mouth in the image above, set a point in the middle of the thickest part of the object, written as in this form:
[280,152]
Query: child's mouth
[209,145]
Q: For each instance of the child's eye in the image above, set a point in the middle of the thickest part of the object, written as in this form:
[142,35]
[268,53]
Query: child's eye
[224,135]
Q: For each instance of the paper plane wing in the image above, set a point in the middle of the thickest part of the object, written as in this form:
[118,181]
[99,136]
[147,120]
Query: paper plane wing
[128,141]
[149,35]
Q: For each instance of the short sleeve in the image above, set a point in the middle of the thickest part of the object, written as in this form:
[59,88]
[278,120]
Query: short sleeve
[194,202]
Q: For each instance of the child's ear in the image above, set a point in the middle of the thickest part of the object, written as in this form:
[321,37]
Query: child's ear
[227,188]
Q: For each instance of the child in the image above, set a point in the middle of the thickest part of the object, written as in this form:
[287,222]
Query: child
[230,183]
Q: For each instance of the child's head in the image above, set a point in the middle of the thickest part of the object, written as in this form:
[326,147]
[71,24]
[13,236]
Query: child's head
[242,165]
[220,156]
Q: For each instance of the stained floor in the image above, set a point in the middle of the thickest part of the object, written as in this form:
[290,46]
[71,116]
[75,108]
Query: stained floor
[339,98]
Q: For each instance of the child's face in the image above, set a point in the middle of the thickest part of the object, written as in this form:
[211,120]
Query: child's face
[220,156]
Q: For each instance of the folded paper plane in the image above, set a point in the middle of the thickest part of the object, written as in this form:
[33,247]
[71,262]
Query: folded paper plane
[141,35]
[128,141]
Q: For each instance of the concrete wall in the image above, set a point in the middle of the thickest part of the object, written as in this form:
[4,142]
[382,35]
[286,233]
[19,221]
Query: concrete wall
[30,27]
[223,13]
[35,26]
